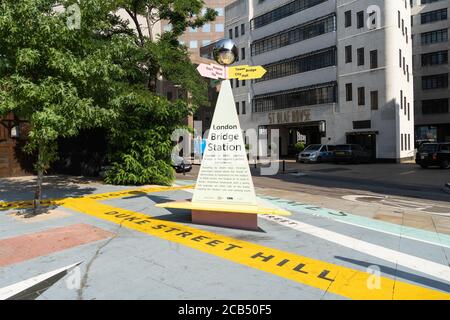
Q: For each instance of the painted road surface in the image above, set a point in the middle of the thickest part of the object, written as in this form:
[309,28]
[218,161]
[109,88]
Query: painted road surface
[146,252]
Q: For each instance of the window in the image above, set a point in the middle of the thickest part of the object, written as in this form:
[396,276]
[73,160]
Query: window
[348,92]
[435,81]
[360,19]
[206,27]
[219,27]
[364,124]
[206,42]
[237,107]
[374,100]
[237,83]
[236,32]
[167,27]
[401,99]
[242,29]
[348,18]
[361,96]
[243,108]
[219,12]
[348,54]
[193,44]
[192,29]
[242,53]
[373,59]
[230,33]
[360,56]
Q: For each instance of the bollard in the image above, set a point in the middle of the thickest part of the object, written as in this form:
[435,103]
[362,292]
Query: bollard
[284,166]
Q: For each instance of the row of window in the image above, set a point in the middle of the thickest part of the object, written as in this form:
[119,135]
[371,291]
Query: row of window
[359,19]
[283,12]
[194,44]
[405,142]
[299,64]
[361,96]
[300,33]
[433,16]
[434,58]
[435,36]
[237,83]
[360,57]
[405,105]
[243,105]
[236,31]
[305,96]
[435,106]
[401,25]
[436,81]
[402,64]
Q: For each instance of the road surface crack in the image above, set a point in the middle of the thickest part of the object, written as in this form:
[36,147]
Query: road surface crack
[97,253]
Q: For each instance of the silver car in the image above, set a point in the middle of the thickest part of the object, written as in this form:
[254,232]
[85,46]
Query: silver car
[316,153]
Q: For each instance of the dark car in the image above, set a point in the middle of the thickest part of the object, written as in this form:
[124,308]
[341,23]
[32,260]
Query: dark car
[353,153]
[434,154]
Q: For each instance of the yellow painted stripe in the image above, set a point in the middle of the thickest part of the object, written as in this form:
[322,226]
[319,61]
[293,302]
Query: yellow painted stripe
[322,275]
[99,196]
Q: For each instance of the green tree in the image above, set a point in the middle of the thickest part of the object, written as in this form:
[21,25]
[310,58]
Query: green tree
[140,139]
[61,79]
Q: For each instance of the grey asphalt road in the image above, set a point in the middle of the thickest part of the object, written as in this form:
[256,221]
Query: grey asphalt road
[404,180]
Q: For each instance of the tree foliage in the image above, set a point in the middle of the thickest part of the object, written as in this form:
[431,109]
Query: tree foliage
[64,80]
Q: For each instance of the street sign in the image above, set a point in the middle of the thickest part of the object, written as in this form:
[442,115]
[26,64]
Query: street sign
[212,71]
[245,72]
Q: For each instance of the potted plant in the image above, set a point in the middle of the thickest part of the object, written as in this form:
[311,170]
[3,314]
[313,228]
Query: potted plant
[299,147]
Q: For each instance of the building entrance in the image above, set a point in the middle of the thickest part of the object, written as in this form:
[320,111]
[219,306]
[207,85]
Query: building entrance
[291,134]
[367,140]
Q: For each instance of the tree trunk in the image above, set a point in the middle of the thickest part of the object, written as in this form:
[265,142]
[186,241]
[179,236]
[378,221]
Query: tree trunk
[40,175]
[38,192]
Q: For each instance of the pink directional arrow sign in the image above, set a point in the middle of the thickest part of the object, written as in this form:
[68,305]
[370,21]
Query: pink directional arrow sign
[212,71]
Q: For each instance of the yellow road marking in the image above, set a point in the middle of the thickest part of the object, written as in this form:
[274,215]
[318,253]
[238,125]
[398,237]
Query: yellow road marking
[100,196]
[322,275]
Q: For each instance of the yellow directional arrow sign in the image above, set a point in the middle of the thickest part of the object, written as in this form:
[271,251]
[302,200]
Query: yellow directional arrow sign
[245,72]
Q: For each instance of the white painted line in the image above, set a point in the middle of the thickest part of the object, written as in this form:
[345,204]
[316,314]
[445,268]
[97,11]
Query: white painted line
[17,288]
[415,263]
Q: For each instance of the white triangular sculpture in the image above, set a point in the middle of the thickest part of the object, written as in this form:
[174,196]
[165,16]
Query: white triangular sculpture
[224,176]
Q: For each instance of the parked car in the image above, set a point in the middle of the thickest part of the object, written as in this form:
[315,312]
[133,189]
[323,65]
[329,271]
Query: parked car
[316,153]
[353,153]
[434,154]
[180,164]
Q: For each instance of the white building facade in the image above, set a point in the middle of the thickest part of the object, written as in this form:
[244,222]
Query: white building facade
[338,71]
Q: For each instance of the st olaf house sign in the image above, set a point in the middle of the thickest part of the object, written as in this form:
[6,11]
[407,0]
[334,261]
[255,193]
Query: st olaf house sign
[224,194]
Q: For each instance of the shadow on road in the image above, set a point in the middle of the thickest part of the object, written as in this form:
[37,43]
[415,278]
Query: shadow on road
[54,187]
[401,274]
